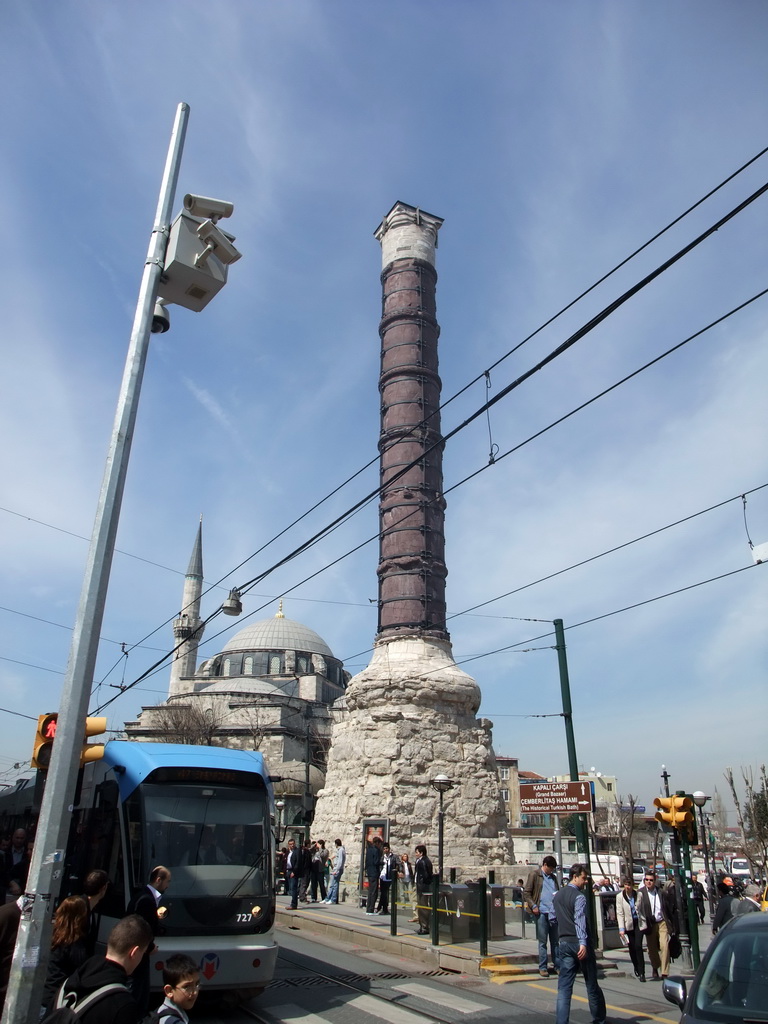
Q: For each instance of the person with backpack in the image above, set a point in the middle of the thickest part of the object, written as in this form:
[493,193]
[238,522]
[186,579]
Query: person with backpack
[423,872]
[181,984]
[97,993]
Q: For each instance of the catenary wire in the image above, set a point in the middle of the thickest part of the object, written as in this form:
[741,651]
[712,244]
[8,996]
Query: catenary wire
[484,408]
[674,348]
[484,373]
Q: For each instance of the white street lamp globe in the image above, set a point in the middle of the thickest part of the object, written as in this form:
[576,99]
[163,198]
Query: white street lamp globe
[699,798]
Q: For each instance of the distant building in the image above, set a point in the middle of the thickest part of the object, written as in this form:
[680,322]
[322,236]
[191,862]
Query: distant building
[270,688]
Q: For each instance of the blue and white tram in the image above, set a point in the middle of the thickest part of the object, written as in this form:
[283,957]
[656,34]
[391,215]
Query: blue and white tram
[205,813]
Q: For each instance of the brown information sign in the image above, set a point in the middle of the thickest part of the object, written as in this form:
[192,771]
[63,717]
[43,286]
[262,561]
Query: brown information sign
[556,798]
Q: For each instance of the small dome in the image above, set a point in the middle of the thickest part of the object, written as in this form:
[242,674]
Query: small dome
[278,634]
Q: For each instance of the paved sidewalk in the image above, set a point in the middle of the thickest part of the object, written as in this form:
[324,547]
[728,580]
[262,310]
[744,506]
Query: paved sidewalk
[348,922]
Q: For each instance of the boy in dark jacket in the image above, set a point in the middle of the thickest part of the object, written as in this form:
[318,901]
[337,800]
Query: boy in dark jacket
[126,945]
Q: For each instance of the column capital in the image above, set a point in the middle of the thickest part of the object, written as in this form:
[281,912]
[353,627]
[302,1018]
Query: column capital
[407,232]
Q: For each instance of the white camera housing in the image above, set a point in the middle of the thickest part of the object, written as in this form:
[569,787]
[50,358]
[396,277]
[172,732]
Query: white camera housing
[217,242]
[203,206]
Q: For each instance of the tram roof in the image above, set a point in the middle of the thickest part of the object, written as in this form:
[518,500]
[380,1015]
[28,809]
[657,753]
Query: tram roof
[139,760]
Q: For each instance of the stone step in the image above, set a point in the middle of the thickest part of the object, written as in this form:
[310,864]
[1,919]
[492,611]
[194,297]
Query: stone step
[501,970]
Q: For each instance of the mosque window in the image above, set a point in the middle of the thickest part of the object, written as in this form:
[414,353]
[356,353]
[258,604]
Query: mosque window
[275,664]
[226,668]
[302,664]
[248,665]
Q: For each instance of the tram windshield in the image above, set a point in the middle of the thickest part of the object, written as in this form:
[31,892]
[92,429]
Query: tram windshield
[214,838]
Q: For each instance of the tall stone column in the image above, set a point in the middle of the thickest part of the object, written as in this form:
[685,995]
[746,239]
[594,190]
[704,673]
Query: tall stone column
[411,714]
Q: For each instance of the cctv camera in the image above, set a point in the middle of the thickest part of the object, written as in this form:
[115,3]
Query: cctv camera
[217,242]
[161,318]
[202,206]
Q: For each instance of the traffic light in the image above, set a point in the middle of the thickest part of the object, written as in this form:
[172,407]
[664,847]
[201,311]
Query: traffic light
[44,737]
[93,751]
[676,812]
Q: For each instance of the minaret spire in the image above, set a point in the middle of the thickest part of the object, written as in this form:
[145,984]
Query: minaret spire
[188,626]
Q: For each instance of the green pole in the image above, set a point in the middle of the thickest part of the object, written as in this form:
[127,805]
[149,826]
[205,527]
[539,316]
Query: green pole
[482,893]
[582,835]
[393,905]
[433,918]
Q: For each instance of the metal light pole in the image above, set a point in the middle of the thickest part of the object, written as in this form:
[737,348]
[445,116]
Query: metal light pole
[30,958]
[700,799]
[442,784]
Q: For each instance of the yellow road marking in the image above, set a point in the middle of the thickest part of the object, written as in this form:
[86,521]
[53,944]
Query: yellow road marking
[608,1006]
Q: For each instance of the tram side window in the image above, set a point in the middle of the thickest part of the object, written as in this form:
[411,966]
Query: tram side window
[97,844]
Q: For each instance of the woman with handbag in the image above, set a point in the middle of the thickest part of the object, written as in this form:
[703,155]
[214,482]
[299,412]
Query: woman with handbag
[629,929]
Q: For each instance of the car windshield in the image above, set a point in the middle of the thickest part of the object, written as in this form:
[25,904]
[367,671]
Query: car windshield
[734,983]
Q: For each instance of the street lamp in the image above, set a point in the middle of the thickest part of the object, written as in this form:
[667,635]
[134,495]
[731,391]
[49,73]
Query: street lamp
[700,799]
[279,829]
[442,784]
[186,263]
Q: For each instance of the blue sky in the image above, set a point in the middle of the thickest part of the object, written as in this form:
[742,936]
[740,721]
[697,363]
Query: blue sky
[555,139]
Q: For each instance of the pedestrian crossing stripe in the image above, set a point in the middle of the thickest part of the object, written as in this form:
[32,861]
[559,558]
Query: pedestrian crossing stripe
[432,995]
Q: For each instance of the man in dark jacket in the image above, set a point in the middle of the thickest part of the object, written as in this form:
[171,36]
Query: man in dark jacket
[146,904]
[372,872]
[423,872]
[128,941]
[725,904]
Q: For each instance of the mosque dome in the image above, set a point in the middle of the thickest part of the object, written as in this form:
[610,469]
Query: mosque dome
[278,634]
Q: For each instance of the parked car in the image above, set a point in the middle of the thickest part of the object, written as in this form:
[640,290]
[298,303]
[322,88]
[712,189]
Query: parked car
[731,985]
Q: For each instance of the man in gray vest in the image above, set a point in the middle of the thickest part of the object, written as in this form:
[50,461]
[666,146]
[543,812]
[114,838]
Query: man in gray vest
[576,952]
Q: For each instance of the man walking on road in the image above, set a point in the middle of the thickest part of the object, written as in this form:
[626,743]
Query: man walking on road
[576,952]
[539,892]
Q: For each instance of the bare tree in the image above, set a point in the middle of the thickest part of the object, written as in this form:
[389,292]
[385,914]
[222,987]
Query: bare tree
[752,816]
[187,723]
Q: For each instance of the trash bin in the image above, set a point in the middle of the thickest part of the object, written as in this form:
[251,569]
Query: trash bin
[495,911]
[452,917]
[607,925]
[497,917]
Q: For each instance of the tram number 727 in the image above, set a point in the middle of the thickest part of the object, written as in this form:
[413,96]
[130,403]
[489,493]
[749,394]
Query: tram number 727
[244,918]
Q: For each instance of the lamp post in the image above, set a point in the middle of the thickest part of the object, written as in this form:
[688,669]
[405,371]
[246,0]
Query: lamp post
[31,955]
[700,799]
[279,832]
[442,784]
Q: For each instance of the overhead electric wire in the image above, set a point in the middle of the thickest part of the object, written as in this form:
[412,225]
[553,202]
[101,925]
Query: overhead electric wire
[484,373]
[652,362]
[572,340]
[577,336]
[597,618]
[609,551]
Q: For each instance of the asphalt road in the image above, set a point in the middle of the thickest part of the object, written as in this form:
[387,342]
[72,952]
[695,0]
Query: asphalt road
[338,983]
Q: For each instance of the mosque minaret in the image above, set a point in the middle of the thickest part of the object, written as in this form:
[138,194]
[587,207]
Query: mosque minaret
[188,626]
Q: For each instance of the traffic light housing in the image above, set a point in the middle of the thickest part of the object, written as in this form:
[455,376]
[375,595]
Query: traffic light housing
[677,812]
[46,733]
[43,745]
[93,751]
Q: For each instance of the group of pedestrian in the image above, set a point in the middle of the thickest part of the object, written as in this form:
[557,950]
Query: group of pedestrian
[311,870]
[562,931]
[382,867]
[115,988]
